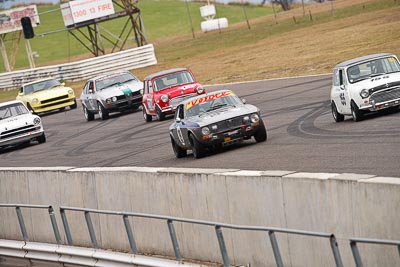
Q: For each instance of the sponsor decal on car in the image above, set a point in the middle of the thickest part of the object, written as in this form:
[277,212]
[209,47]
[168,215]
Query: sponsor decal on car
[208,98]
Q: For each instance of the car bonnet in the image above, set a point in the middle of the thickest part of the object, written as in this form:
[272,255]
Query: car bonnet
[16,122]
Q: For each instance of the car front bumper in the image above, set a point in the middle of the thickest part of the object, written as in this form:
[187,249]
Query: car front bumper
[231,136]
[122,104]
[381,105]
[49,105]
[21,137]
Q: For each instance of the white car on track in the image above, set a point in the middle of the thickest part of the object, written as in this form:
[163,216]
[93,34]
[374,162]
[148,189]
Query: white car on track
[365,84]
[19,125]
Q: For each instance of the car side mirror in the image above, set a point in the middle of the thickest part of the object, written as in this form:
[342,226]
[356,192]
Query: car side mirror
[342,87]
[20,94]
[178,119]
[243,101]
[90,91]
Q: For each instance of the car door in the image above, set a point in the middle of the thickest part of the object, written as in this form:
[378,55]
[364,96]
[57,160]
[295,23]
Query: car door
[148,97]
[342,99]
[92,98]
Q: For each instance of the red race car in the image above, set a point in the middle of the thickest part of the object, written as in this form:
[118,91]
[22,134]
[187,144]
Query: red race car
[164,90]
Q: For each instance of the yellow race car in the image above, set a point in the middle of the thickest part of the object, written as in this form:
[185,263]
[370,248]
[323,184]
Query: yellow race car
[46,95]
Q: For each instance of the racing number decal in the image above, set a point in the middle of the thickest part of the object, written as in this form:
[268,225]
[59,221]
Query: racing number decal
[180,136]
[342,99]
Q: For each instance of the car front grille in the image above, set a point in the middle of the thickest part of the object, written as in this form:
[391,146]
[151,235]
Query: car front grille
[229,124]
[54,99]
[385,96]
[18,131]
[175,101]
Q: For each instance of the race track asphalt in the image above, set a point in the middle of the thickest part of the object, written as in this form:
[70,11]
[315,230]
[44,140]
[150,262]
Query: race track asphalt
[302,136]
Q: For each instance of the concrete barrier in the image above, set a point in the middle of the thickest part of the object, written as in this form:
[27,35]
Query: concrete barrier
[348,205]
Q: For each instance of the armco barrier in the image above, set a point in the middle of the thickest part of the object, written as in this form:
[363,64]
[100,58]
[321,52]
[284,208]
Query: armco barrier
[353,207]
[134,58]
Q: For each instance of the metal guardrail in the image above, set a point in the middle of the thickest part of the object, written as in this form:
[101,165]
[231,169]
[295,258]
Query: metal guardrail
[356,253]
[134,58]
[170,222]
[22,222]
[218,230]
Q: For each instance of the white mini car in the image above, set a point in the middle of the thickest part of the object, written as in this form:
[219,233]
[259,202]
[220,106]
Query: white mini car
[19,125]
[365,84]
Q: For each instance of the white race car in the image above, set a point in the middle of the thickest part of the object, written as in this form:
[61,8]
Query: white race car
[365,84]
[19,125]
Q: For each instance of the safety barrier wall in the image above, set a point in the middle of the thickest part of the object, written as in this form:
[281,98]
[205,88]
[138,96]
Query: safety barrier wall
[348,205]
[134,58]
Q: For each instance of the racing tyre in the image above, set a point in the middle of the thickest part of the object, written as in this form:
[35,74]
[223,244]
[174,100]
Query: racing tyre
[178,151]
[146,116]
[89,116]
[261,134]
[335,114]
[355,112]
[103,113]
[197,149]
[73,106]
[160,115]
[42,139]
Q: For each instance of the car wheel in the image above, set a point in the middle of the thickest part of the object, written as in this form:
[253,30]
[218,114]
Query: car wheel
[42,139]
[178,151]
[146,117]
[197,149]
[355,112]
[335,114]
[89,116]
[103,113]
[73,106]
[261,133]
[160,114]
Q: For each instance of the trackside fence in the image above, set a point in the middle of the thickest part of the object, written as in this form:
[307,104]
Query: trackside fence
[134,58]
[270,231]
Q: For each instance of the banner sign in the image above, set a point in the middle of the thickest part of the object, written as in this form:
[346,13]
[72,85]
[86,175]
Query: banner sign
[10,20]
[84,10]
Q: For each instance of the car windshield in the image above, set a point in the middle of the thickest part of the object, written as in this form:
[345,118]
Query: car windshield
[211,102]
[39,86]
[373,68]
[12,110]
[173,79]
[114,79]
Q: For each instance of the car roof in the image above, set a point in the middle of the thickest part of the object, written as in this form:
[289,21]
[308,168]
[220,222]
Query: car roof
[204,95]
[10,103]
[37,81]
[109,74]
[164,72]
[361,59]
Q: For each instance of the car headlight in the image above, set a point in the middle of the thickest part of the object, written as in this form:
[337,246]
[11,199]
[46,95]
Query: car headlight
[164,98]
[246,119]
[114,98]
[70,92]
[35,101]
[254,118]
[364,93]
[36,121]
[200,90]
[205,131]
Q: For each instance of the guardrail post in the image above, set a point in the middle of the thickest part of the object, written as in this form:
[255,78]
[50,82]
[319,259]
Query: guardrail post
[22,224]
[66,227]
[356,254]
[222,246]
[130,234]
[174,240]
[54,225]
[91,230]
[275,249]
[335,250]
